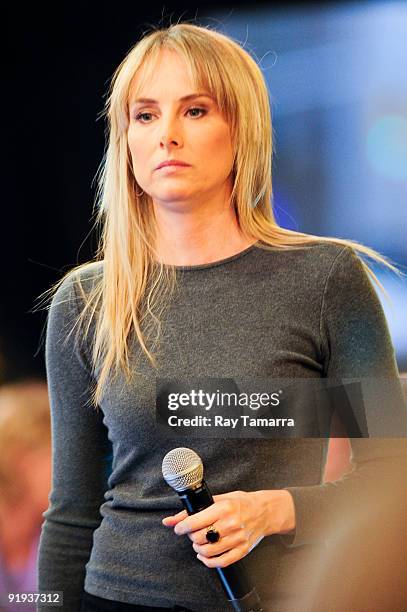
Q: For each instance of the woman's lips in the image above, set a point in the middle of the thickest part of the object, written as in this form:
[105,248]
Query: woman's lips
[174,167]
[173,163]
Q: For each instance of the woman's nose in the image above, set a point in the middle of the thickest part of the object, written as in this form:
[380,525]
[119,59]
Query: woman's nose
[166,141]
[171,135]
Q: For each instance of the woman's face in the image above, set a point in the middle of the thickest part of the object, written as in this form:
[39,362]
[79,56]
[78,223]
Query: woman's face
[191,130]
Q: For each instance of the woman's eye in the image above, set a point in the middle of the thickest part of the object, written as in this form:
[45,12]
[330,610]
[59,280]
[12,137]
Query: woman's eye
[139,117]
[195,108]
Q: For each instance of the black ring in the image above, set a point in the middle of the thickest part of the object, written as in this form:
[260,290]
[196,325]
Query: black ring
[212,535]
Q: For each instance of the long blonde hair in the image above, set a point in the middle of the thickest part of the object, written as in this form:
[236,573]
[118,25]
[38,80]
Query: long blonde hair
[133,289]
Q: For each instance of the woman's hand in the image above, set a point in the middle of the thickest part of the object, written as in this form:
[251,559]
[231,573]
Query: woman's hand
[242,520]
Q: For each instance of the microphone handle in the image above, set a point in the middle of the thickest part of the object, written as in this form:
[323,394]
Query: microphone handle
[233,578]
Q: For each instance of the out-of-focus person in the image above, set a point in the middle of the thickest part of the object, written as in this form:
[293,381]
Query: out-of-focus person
[364,565]
[339,449]
[339,452]
[25,481]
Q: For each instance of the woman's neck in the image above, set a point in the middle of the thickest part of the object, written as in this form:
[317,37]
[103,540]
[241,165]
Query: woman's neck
[187,239]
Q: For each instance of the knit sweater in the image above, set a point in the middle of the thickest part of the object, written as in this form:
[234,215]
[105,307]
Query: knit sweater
[307,312]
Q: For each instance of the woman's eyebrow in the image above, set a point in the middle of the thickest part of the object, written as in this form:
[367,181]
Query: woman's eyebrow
[183,99]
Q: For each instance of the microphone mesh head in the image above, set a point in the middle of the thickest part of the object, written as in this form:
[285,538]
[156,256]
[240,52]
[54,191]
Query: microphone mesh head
[182,469]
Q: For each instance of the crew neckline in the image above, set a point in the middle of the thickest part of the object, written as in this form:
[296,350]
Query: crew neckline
[214,264]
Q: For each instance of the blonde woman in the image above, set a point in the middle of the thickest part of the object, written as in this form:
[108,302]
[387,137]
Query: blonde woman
[194,278]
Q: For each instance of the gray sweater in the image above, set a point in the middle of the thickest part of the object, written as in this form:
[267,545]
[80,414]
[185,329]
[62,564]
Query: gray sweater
[309,312]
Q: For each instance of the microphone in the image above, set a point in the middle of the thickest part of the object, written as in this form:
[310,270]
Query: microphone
[183,471]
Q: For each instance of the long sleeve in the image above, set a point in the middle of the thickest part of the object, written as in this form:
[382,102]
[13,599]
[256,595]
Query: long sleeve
[356,343]
[81,457]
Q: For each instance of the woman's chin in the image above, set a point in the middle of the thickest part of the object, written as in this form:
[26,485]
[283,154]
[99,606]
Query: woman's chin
[176,202]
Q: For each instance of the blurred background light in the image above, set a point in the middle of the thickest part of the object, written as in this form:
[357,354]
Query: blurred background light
[386,146]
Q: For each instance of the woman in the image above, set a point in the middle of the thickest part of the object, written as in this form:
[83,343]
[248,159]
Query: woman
[194,278]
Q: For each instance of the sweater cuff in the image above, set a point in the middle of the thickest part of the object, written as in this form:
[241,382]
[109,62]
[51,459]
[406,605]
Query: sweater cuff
[307,521]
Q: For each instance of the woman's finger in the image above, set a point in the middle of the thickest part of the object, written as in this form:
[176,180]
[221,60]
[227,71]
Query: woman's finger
[223,527]
[226,543]
[230,495]
[202,519]
[227,558]
[171,521]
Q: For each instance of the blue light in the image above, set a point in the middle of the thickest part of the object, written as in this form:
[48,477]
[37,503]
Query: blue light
[386,146]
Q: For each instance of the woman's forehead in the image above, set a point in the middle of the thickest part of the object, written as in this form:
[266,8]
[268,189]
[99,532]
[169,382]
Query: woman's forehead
[145,76]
